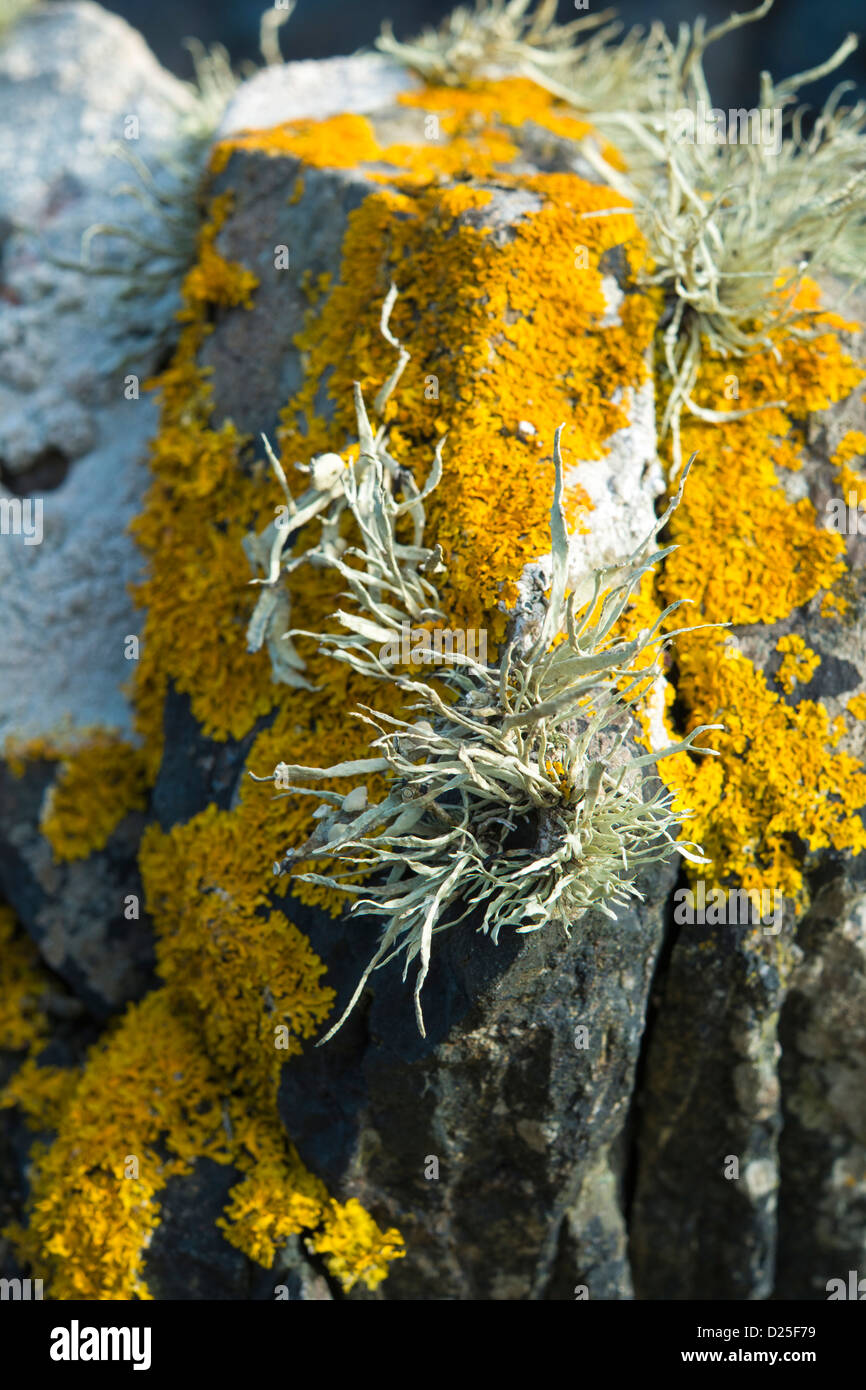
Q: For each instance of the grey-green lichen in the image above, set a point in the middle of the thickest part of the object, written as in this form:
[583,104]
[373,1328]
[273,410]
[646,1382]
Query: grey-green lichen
[512,791]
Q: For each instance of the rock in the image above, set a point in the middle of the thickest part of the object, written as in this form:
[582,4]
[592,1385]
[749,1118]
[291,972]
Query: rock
[648,1108]
[74,912]
[506,1106]
[518,1109]
[313,90]
[72,444]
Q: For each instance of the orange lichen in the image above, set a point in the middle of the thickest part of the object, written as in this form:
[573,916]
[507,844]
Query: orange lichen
[94,789]
[199,507]
[144,1109]
[150,1103]
[851,484]
[354,1247]
[339,142]
[245,970]
[799,663]
[749,556]
[278,1198]
[22,982]
[492,346]
[40,1093]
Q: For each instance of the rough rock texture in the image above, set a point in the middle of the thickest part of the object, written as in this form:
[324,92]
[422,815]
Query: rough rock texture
[298,91]
[523,1115]
[70,77]
[757,1047]
[74,912]
[740,1041]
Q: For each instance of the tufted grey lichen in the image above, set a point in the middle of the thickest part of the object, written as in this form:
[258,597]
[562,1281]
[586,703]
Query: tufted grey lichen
[513,793]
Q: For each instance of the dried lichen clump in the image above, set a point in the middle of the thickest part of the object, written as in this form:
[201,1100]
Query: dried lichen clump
[579,59]
[515,791]
[735,222]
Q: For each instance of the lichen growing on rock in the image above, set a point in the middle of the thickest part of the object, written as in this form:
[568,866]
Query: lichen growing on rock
[94,789]
[505,342]
[511,792]
[782,778]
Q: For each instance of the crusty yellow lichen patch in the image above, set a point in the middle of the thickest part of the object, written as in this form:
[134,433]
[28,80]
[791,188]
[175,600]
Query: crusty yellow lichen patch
[495,346]
[246,971]
[278,1198]
[94,789]
[495,341]
[799,664]
[749,556]
[339,142]
[149,1103]
[22,982]
[851,484]
[468,132]
[40,1093]
[199,507]
[856,707]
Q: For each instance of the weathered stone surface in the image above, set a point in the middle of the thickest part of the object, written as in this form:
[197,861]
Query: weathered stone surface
[525,1116]
[711,1094]
[74,912]
[755,1053]
[521,1118]
[70,76]
[297,91]
[822,1151]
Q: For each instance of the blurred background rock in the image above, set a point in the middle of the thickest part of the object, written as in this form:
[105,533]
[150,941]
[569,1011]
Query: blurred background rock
[796,34]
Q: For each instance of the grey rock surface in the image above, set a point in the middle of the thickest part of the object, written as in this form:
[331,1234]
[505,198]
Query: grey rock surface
[327,87]
[74,912]
[71,444]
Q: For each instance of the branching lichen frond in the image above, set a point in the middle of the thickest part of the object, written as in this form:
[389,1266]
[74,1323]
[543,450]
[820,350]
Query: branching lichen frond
[370,487]
[271,23]
[734,221]
[495,33]
[589,60]
[513,794]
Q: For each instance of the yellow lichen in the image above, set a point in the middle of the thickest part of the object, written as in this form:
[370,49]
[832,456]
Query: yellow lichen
[40,1093]
[852,485]
[354,1247]
[749,556]
[22,982]
[94,789]
[246,971]
[502,332]
[856,707]
[799,663]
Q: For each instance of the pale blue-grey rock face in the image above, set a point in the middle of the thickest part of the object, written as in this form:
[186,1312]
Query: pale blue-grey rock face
[73,79]
[294,91]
